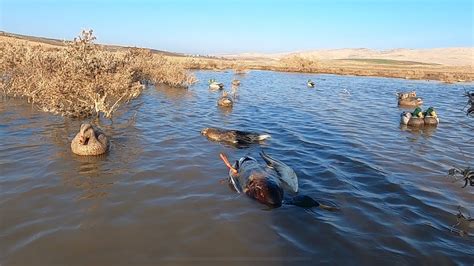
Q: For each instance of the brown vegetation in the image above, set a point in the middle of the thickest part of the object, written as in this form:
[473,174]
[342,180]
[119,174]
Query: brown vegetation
[379,68]
[298,64]
[82,78]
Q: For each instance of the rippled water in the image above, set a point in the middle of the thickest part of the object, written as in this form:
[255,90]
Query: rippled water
[157,197]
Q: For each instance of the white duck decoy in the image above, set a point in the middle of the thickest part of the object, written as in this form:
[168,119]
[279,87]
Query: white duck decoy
[214,85]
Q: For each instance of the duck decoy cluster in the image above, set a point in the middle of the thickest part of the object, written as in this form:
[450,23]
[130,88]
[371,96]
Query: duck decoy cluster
[417,118]
[267,183]
[225,100]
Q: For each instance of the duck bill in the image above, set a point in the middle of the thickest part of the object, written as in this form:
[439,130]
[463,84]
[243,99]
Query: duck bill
[227,163]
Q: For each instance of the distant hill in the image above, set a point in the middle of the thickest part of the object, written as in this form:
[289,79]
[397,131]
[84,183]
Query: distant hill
[457,56]
[56,42]
[460,56]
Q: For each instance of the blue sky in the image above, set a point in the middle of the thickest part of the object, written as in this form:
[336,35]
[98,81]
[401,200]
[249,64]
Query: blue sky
[234,26]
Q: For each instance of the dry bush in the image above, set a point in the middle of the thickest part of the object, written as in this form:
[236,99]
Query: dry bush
[82,79]
[240,68]
[207,63]
[298,64]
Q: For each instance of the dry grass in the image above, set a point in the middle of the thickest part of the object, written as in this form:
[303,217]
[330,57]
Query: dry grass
[83,79]
[298,64]
[379,68]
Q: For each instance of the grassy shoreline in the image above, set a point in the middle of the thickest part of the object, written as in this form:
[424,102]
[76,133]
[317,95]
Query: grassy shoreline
[449,74]
[82,79]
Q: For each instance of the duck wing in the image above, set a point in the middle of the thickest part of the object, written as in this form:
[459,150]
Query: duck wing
[244,137]
[286,174]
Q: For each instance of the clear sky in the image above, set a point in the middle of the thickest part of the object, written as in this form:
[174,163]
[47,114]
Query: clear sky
[234,26]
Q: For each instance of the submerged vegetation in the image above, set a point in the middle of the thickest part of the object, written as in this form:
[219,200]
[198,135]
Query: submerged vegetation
[83,79]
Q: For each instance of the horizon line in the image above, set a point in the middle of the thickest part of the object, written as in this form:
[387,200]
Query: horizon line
[243,53]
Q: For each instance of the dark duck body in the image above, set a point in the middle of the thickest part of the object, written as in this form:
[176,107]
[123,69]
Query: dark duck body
[267,185]
[233,136]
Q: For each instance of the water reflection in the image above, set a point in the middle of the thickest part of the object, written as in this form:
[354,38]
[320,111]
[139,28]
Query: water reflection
[173,93]
[225,110]
[426,131]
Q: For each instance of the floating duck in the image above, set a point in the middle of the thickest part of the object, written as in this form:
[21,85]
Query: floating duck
[405,117]
[267,183]
[310,83]
[89,141]
[235,82]
[233,136]
[409,99]
[214,85]
[414,119]
[431,118]
[225,100]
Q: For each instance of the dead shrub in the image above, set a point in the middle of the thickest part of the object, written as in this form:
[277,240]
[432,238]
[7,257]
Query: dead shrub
[298,64]
[83,79]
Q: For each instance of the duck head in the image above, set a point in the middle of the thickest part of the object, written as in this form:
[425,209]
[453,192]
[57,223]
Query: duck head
[205,131]
[402,95]
[417,113]
[405,117]
[431,112]
[265,191]
[86,133]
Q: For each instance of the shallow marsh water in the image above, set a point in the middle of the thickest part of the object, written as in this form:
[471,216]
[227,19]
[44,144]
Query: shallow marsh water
[157,197]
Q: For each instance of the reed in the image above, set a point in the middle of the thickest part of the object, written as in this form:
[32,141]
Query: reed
[81,78]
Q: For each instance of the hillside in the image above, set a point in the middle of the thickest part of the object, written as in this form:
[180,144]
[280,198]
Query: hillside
[461,56]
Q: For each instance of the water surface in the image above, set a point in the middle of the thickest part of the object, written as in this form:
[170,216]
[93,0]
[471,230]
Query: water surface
[157,197]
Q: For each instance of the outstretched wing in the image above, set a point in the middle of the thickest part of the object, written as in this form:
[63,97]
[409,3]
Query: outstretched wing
[285,173]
